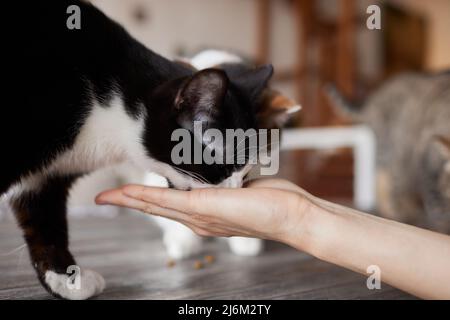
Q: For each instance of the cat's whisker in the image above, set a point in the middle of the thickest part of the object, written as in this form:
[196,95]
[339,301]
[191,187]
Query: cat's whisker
[245,139]
[199,177]
[193,175]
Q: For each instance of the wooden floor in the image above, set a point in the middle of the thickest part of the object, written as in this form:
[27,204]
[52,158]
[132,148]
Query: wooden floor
[128,252]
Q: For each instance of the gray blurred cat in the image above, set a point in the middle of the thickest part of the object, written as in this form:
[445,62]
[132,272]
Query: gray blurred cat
[410,115]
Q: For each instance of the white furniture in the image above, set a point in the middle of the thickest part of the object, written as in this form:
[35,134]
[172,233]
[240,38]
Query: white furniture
[360,138]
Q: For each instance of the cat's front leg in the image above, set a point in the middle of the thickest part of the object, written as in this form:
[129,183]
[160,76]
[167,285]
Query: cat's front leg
[41,213]
[180,241]
[247,247]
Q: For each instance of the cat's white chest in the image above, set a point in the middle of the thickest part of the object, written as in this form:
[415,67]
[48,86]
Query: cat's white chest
[108,136]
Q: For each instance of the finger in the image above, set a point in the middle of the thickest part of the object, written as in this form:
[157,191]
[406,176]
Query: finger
[201,201]
[101,197]
[170,198]
[116,197]
[200,224]
[160,196]
[200,231]
[212,205]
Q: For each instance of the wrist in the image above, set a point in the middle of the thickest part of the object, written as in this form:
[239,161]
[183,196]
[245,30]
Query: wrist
[311,226]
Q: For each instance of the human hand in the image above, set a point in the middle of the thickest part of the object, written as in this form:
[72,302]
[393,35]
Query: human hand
[279,210]
[269,208]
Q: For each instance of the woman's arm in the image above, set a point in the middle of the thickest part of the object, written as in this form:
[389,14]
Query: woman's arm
[409,258]
[412,259]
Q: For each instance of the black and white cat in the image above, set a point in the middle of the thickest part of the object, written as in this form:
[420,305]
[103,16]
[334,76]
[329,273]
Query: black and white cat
[78,100]
[180,242]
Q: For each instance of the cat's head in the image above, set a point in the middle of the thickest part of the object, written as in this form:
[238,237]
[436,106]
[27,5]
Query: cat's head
[216,100]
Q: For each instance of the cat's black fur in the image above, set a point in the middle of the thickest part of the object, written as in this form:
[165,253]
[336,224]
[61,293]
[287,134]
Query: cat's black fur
[53,76]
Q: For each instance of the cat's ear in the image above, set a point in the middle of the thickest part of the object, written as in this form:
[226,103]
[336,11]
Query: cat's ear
[274,109]
[254,81]
[200,97]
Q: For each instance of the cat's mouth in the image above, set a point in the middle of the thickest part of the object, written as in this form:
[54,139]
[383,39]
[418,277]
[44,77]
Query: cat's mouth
[172,186]
[186,183]
[182,181]
[234,181]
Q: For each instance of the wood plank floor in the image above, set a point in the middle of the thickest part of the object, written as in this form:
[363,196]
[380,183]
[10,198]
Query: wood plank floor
[128,252]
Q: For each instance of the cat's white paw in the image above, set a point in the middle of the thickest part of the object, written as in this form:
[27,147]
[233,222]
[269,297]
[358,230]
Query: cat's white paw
[90,284]
[245,246]
[182,244]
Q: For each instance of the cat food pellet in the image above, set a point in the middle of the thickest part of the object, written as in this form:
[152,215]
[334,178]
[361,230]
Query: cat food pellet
[210,259]
[198,265]
[171,263]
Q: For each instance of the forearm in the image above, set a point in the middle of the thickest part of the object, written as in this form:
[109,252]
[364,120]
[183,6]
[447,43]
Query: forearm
[412,259]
